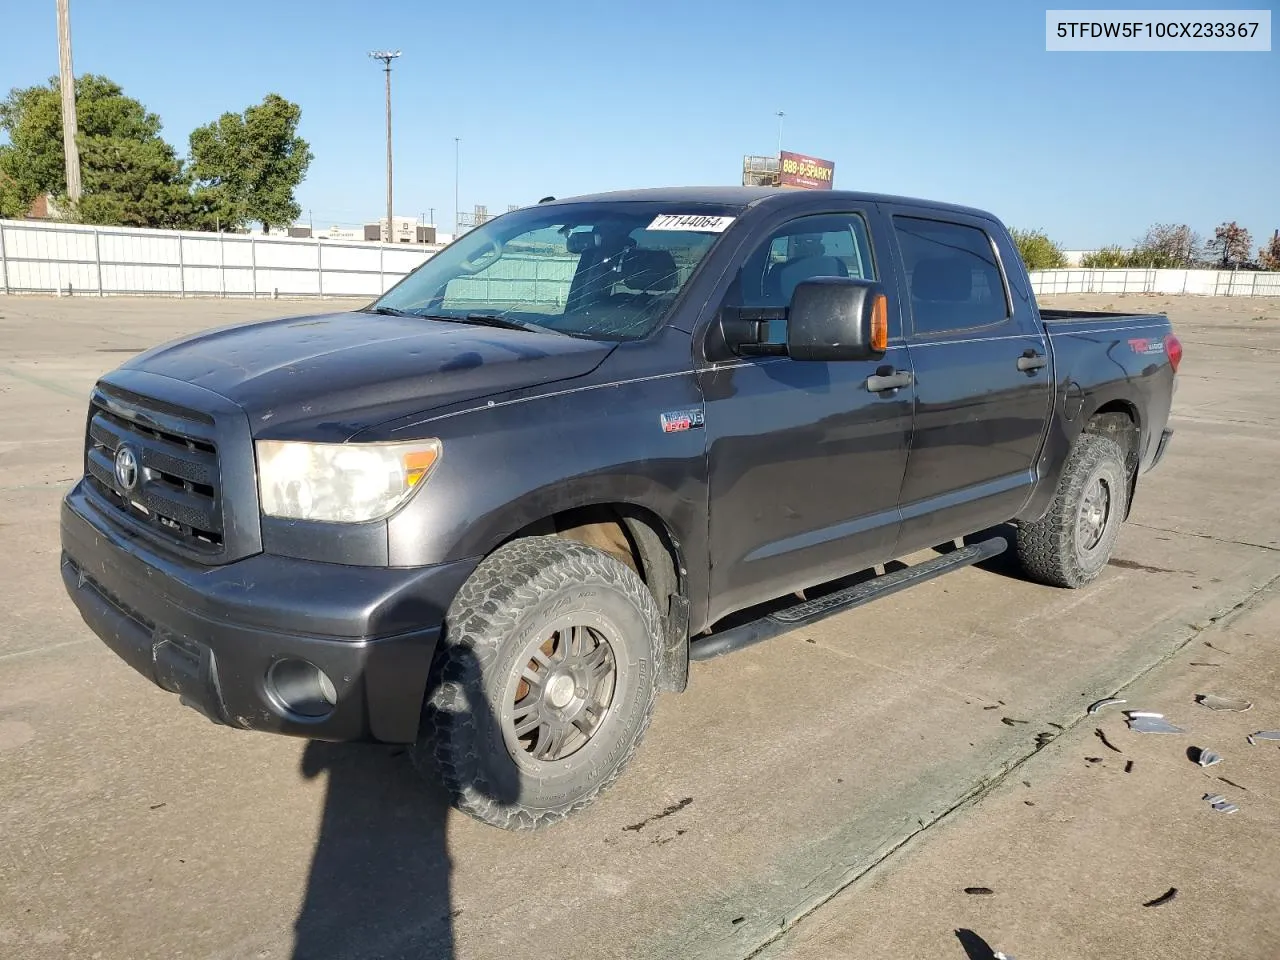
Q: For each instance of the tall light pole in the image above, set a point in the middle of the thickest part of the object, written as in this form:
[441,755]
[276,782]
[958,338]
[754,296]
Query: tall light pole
[386,56]
[457,169]
[779,115]
[67,81]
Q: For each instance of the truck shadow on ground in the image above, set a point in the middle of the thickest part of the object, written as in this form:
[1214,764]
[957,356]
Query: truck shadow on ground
[379,880]
[1005,564]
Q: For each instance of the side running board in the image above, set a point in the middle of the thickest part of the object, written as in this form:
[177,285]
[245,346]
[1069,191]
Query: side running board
[811,611]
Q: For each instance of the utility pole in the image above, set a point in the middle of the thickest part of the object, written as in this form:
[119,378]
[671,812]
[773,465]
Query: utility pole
[386,56]
[779,115]
[457,167]
[67,82]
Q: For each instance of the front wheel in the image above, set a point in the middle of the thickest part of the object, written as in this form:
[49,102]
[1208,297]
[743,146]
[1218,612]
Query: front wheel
[543,685]
[1070,545]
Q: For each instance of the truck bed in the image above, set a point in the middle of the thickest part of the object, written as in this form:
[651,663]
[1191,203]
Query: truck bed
[1084,316]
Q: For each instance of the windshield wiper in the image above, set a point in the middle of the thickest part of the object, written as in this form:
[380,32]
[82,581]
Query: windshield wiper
[504,323]
[474,319]
[488,320]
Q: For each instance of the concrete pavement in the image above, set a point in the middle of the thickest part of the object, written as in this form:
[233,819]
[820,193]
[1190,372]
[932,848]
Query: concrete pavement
[1074,842]
[768,801]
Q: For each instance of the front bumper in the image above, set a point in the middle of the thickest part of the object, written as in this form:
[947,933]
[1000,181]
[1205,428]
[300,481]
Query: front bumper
[211,634]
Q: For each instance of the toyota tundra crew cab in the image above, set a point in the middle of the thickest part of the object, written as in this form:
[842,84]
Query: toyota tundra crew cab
[495,512]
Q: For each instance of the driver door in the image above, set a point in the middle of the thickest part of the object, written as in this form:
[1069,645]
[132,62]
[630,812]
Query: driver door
[805,461]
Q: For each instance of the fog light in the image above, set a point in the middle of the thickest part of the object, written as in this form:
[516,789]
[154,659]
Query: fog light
[301,688]
[326,689]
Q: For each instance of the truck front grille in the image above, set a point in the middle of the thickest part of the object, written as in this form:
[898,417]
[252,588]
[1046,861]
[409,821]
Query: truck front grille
[175,494]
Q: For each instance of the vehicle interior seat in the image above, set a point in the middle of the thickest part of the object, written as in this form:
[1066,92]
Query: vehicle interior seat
[946,284]
[809,259]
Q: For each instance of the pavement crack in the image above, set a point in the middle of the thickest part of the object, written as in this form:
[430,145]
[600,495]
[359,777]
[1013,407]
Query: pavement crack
[35,381]
[668,811]
[1203,536]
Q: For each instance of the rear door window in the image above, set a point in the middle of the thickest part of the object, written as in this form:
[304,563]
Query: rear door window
[953,276]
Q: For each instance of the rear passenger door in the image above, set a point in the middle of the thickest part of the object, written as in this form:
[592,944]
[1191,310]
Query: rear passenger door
[982,378]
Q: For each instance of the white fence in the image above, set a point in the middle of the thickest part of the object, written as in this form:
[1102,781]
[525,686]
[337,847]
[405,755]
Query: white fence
[1204,283]
[70,258]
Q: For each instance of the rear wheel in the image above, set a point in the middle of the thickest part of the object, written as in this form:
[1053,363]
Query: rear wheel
[1071,544]
[544,683]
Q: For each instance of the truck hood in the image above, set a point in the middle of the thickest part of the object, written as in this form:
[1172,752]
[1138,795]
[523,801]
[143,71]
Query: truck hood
[328,377]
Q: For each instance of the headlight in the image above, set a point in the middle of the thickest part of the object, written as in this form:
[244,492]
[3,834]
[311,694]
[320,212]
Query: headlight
[341,482]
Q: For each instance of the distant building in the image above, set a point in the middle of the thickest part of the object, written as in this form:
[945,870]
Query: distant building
[407,230]
[403,230]
[43,207]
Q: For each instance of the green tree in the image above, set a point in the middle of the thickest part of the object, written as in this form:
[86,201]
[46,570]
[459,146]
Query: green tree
[247,165]
[1038,252]
[130,176]
[1105,258]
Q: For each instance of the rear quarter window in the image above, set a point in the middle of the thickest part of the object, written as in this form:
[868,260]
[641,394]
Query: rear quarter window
[953,277]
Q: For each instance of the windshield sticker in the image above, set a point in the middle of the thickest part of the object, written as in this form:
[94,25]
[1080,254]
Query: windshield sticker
[690,221]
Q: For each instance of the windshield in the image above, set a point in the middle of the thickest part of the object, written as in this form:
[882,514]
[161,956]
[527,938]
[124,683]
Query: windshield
[607,271]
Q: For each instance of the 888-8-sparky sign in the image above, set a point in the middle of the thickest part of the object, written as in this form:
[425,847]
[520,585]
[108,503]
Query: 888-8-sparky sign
[807,173]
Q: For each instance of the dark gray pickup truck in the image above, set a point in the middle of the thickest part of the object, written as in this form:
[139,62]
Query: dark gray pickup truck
[496,512]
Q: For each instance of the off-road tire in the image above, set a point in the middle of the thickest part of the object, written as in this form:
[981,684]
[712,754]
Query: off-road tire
[516,592]
[1050,549]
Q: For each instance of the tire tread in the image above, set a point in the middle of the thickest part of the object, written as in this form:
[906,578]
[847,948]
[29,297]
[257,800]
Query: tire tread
[484,613]
[1045,547]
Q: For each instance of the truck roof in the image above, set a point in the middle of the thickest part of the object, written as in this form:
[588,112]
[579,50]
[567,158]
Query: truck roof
[747,196]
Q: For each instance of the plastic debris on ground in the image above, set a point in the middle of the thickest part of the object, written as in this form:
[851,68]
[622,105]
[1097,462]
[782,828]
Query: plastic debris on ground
[1207,758]
[1264,735]
[1220,803]
[1097,732]
[1167,897]
[1104,702]
[1214,702]
[1144,721]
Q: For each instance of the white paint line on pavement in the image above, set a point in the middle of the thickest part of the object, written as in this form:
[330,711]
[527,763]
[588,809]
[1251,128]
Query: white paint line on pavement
[43,649]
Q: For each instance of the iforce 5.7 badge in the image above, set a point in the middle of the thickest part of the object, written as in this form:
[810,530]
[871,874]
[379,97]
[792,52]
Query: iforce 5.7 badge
[677,421]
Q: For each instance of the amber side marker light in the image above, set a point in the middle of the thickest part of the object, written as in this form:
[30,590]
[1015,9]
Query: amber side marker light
[418,464]
[880,324]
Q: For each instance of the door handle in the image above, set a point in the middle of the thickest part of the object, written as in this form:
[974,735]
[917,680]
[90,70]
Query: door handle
[886,379]
[1031,360]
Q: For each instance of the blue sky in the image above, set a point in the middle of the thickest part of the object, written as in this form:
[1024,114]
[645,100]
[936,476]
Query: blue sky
[945,100]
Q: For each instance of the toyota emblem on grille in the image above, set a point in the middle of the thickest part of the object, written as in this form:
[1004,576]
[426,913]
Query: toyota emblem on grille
[126,469]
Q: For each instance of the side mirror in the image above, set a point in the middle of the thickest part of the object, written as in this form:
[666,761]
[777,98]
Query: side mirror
[837,318]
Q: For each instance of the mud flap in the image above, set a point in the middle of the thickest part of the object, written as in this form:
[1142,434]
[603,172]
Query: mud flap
[673,673]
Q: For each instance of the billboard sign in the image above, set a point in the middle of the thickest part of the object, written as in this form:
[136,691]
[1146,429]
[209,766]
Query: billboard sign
[806,173]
